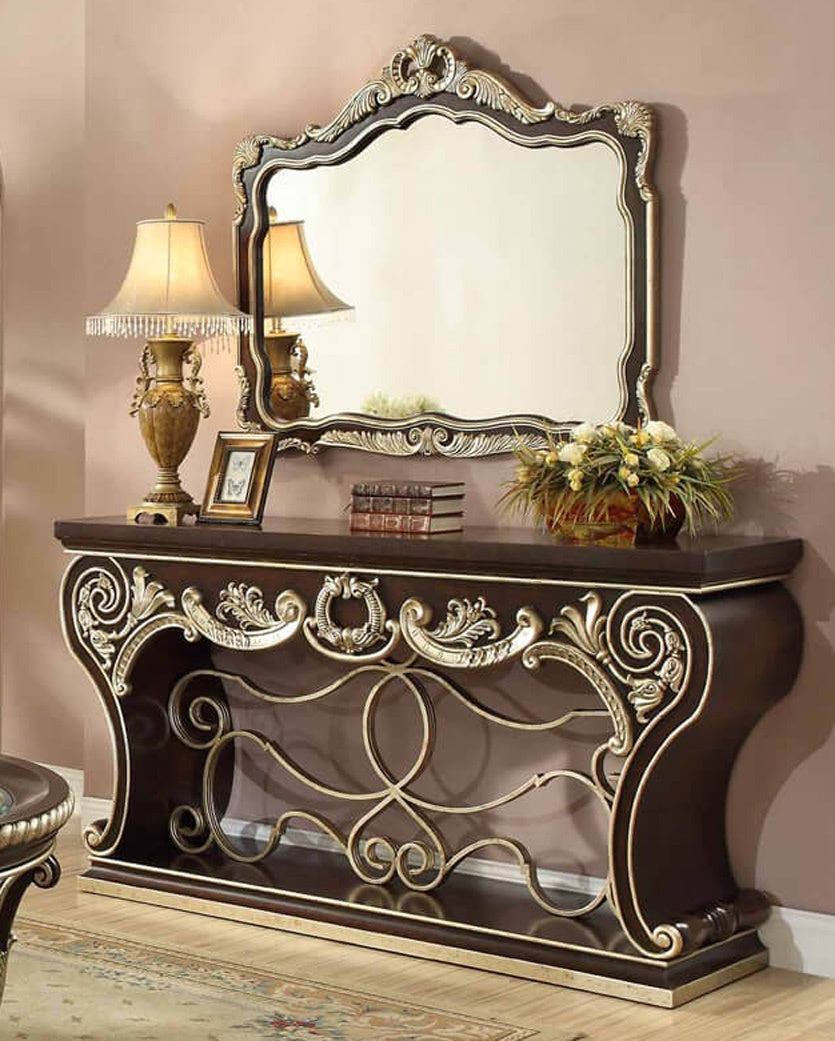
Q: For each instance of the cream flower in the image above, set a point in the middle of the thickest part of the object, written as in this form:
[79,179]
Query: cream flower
[584,432]
[572,453]
[660,432]
[640,438]
[633,479]
[631,459]
[624,473]
[575,480]
[658,459]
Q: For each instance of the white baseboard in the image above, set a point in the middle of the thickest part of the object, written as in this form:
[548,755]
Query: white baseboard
[499,870]
[800,940]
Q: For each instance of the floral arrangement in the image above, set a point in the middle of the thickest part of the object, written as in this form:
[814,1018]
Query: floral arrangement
[579,480]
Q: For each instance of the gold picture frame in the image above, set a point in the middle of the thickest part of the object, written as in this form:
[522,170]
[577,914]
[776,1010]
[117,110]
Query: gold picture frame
[239,476]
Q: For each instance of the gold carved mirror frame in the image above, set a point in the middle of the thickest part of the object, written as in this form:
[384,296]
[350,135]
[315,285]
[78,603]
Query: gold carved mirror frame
[429,77]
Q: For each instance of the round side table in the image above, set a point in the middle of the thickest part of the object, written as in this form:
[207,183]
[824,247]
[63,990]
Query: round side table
[35,803]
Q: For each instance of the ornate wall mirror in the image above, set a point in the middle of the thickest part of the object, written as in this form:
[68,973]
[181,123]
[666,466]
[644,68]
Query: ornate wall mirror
[498,259]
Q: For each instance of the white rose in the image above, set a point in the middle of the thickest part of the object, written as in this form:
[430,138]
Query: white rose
[658,458]
[660,432]
[584,432]
[572,453]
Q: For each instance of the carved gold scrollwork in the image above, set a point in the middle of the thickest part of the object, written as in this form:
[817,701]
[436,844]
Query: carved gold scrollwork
[468,638]
[255,627]
[244,394]
[114,617]
[424,69]
[621,741]
[351,642]
[647,653]
[435,439]
[651,656]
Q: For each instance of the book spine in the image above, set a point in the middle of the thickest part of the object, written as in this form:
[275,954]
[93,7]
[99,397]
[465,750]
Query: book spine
[418,525]
[422,505]
[405,489]
[402,523]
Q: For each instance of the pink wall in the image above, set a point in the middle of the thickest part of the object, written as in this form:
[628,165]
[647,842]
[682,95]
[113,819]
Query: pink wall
[45,700]
[742,93]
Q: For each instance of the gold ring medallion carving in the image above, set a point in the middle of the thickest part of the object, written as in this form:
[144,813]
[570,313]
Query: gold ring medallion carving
[350,642]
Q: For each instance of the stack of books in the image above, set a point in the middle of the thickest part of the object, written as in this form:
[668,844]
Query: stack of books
[407,507]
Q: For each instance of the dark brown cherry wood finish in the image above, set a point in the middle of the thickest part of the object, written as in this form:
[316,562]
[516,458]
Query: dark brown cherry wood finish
[34,804]
[305,678]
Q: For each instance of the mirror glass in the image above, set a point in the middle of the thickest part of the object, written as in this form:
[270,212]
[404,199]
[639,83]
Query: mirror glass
[489,278]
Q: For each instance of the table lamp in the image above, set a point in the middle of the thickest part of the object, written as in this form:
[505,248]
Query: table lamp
[169,296]
[292,289]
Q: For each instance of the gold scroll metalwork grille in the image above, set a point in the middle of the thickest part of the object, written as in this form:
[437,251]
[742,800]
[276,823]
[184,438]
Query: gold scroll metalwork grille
[636,660]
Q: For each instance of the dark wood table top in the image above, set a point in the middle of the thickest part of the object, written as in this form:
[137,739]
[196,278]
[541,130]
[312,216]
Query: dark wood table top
[695,564]
[687,563]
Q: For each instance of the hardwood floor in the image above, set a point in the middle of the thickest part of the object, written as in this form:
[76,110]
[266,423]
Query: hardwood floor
[773,1005]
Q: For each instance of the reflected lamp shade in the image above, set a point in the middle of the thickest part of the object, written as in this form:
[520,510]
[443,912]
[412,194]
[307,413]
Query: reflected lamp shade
[292,287]
[169,289]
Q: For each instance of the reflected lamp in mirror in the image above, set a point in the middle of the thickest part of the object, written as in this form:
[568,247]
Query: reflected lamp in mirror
[292,290]
[169,297]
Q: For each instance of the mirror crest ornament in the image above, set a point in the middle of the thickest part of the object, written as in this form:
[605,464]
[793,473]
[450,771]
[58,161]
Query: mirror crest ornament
[428,78]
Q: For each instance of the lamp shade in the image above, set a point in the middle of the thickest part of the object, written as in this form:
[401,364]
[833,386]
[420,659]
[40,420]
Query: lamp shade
[292,288]
[169,289]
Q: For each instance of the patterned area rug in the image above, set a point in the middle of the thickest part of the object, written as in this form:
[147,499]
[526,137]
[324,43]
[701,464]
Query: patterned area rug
[69,985]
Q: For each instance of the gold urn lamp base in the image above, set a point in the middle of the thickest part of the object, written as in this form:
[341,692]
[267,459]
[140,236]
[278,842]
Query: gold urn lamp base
[172,514]
[291,389]
[168,411]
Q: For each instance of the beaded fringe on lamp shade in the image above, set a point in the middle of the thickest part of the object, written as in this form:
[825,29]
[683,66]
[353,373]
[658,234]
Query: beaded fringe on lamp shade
[169,289]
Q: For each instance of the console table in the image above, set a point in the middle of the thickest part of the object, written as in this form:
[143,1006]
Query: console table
[384,740]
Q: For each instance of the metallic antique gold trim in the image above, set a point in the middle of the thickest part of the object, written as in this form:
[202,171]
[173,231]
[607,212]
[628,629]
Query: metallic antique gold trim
[456,642]
[91,885]
[411,71]
[244,394]
[256,629]
[32,828]
[648,994]
[461,576]
[42,869]
[351,643]
[114,618]
[639,654]
[420,864]
[667,937]
[437,439]
[450,437]
[94,834]
[647,651]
